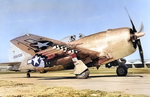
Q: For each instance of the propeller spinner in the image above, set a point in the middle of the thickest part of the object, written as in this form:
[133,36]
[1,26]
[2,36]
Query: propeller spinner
[135,37]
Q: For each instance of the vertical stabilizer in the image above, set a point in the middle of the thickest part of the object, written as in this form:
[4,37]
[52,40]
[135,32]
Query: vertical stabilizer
[15,54]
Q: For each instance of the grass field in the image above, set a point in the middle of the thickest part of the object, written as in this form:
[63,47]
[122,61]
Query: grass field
[14,89]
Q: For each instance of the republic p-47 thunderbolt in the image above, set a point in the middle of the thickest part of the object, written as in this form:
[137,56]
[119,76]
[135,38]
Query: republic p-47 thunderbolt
[98,49]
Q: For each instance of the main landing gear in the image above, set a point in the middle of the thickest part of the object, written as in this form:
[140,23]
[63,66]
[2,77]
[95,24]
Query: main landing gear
[83,75]
[122,70]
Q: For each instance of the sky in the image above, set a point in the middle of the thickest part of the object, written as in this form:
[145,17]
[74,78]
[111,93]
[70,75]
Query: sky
[57,19]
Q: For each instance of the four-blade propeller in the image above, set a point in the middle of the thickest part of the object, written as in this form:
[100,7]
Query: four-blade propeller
[135,37]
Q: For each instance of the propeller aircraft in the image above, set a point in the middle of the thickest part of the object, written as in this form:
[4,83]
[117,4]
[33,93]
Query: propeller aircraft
[96,49]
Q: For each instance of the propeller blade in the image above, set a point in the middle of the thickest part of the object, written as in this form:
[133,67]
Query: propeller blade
[137,34]
[133,27]
[142,27]
[140,50]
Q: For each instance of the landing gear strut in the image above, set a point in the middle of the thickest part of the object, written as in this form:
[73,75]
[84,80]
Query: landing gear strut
[28,74]
[122,70]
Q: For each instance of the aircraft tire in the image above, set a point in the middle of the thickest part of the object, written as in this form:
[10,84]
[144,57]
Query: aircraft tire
[28,75]
[83,75]
[122,70]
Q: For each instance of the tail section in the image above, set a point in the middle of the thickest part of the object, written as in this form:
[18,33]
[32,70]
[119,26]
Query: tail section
[15,54]
[18,59]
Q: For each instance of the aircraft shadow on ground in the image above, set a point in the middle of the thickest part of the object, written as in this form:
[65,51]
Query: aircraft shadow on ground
[90,77]
[73,77]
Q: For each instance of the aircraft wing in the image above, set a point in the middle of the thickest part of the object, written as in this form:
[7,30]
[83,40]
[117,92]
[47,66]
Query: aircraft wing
[34,44]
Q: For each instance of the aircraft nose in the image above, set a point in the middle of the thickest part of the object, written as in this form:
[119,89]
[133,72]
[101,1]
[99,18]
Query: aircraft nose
[139,34]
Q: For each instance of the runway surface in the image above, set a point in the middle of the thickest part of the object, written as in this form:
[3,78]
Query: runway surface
[132,84]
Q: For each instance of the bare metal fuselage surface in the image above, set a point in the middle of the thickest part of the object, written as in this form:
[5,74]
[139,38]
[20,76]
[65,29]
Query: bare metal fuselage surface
[107,46]
[113,43]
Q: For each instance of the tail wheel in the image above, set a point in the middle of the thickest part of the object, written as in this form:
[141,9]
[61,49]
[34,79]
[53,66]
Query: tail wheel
[122,70]
[83,75]
[28,75]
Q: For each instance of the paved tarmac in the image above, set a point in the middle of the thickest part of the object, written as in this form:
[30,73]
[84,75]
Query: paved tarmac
[132,84]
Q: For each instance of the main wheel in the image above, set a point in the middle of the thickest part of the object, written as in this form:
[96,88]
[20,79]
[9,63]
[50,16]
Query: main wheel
[122,70]
[83,75]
